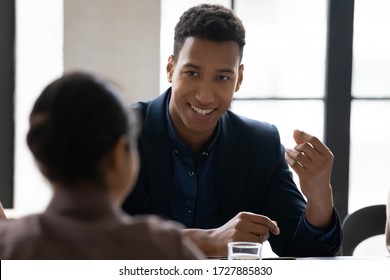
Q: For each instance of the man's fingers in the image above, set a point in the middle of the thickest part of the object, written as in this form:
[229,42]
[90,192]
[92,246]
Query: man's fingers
[257,221]
[302,137]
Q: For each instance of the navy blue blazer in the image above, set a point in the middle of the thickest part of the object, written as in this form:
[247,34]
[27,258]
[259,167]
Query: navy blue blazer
[251,175]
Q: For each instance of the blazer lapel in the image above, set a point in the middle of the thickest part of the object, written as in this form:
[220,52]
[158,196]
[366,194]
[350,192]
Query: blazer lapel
[157,152]
[230,170]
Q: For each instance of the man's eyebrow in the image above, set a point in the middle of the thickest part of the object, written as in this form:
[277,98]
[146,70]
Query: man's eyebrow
[191,65]
[222,70]
[226,70]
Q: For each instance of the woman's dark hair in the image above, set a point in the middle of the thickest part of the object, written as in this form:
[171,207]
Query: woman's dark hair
[212,22]
[75,121]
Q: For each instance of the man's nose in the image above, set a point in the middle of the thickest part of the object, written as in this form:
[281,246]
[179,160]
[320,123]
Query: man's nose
[206,93]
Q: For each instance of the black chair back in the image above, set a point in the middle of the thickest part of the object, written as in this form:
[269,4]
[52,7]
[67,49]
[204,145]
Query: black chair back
[362,224]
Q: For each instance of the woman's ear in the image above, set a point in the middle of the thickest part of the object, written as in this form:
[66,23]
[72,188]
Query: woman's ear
[118,153]
[170,68]
[122,166]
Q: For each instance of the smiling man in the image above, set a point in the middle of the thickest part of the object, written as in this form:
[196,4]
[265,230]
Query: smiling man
[223,176]
[204,77]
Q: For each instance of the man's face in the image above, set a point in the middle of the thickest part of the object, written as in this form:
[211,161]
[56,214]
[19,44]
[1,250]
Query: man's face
[204,78]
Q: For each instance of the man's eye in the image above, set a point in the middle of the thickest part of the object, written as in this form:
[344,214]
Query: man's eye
[222,78]
[192,74]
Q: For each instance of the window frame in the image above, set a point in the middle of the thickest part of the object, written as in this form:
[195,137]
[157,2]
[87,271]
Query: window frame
[7,90]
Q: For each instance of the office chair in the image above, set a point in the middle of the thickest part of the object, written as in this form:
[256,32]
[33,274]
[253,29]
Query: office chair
[362,224]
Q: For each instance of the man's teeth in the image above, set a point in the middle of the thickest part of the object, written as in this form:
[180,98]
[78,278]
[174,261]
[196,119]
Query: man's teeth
[201,111]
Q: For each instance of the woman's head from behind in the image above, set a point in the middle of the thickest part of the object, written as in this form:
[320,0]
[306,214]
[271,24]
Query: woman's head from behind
[82,134]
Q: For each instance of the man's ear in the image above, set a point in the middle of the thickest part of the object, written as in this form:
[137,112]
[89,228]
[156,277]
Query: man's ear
[170,68]
[240,77]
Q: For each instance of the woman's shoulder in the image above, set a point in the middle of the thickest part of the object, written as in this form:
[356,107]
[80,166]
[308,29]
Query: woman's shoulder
[154,223]
[164,237]
[16,234]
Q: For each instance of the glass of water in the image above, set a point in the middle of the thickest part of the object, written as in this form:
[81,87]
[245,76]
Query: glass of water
[244,251]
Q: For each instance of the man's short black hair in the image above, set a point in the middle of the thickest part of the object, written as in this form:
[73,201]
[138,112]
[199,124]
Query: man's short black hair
[211,22]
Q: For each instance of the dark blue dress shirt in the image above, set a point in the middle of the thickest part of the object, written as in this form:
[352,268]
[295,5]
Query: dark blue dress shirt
[193,202]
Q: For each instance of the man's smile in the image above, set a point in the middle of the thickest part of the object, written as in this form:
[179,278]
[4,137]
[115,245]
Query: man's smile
[200,111]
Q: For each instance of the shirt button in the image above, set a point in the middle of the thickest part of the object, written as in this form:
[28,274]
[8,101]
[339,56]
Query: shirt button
[176,151]
[191,173]
[205,154]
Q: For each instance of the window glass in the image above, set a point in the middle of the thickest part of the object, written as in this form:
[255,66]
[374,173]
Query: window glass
[371,49]
[285,51]
[369,183]
[39,54]
[370,153]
